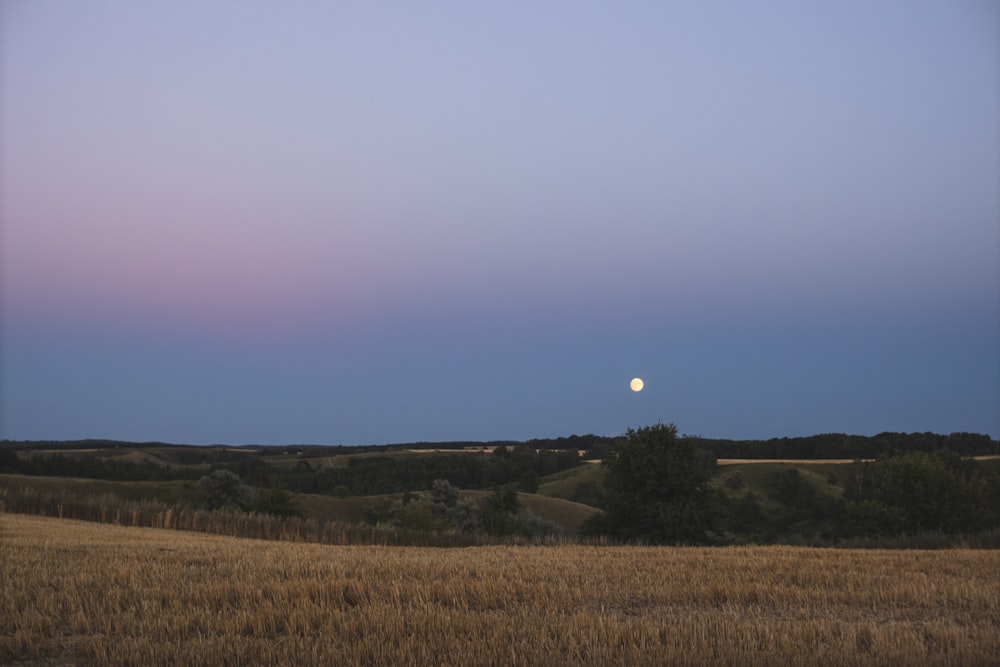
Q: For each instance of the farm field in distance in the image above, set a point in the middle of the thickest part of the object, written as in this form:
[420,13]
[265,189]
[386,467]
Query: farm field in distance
[85,593]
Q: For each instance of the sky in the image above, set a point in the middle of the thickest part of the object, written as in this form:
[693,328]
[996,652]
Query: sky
[364,223]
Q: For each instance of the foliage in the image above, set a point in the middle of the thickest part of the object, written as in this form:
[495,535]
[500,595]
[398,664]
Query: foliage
[440,509]
[747,516]
[918,492]
[93,467]
[842,446]
[223,489]
[916,484]
[791,489]
[503,515]
[735,480]
[915,494]
[499,511]
[277,502]
[113,509]
[9,460]
[657,489]
[371,475]
[529,482]
[589,493]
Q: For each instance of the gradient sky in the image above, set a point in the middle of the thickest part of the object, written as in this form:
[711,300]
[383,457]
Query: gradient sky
[358,223]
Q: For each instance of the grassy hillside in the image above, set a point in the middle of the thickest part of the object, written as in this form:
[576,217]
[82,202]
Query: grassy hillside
[167,492]
[567,484]
[827,478]
[568,515]
[353,509]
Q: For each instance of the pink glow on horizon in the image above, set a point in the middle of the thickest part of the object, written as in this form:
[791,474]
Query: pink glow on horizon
[465,200]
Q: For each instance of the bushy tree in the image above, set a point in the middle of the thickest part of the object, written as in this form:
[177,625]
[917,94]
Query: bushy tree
[443,494]
[529,482]
[747,515]
[735,481]
[589,493]
[500,509]
[657,489]
[791,489]
[223,489]
[533,526]
[9,460]
[502,515]
[415,512]
[278,502]
[439,509]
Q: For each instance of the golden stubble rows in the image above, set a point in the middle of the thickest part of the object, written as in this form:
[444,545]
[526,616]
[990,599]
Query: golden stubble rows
[99,594]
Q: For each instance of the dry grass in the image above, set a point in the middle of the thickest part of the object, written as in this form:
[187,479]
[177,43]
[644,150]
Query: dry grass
[74,592]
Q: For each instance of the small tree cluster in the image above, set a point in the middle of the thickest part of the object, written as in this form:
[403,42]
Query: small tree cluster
[918,492]
[224,490]
[442,509]
[503,515]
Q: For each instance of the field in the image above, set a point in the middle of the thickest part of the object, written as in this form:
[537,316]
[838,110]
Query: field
[84,593]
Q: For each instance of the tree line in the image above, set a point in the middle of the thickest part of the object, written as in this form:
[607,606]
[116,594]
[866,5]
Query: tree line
[371,475]
[362,475]
[657,490]
[821,446]
[842,446]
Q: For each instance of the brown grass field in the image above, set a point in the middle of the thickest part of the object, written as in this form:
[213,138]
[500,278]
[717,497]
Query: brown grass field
[83,593]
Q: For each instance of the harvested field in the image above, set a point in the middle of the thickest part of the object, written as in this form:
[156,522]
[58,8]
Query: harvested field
[75,592]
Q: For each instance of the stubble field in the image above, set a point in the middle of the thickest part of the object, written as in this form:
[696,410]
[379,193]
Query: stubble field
[82,593]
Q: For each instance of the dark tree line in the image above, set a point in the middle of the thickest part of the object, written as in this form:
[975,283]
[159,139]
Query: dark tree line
[92,467]
[841,446]
[921,492]
[363,475]
[823,446]
[79,444]
[912,494]
[442,509]
[657,490]
[370,475]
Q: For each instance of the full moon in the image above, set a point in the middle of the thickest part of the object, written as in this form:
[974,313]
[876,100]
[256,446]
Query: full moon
[636,384]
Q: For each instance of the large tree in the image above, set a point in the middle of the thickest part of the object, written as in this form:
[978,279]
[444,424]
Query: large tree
[657,489]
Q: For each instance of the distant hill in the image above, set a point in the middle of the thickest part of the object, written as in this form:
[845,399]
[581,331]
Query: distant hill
[821,446]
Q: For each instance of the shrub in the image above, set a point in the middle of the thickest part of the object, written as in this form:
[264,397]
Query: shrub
[223,489]
[735,480]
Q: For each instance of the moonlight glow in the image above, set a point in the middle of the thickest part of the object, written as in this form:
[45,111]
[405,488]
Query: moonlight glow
[636,384]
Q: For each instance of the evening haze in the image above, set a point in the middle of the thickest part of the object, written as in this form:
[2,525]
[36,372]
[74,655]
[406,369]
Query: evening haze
[358,223]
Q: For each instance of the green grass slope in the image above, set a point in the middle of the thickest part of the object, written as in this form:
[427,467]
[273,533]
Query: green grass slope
[566,484]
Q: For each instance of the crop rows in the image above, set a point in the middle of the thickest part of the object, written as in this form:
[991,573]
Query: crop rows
[111,595]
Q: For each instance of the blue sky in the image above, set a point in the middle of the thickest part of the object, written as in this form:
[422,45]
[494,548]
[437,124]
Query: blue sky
[355,223]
